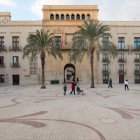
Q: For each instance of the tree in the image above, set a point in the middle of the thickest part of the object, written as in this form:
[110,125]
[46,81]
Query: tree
[87,39]
[40,43]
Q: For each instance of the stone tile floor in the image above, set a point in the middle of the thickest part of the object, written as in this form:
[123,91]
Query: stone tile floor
[31,113]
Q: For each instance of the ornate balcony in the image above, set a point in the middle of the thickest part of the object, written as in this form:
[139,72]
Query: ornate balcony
[2,65]
[15,65]
[122,60]
[123,49]
[3,48]
[137,72]
[136,49]
[122,72]
[105,60]
[137,81]
[137,60]
[15,48]
[105,71]
[105,81]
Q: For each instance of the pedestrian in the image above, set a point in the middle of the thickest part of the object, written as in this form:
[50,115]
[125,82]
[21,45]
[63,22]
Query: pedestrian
[65,89]
[110,83]
[79,89]
[73,84]
[126,85]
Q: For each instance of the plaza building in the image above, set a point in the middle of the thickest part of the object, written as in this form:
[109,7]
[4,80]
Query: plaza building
[63,21]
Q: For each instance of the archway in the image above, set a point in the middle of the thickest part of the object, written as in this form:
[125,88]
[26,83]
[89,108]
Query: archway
[69,73]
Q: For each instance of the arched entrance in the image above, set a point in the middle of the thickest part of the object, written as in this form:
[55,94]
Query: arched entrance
[69,73]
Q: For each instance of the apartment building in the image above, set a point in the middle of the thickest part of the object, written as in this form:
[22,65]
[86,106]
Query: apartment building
[63,21]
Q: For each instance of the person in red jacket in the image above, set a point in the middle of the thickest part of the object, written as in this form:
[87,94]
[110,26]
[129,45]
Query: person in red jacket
[73,84]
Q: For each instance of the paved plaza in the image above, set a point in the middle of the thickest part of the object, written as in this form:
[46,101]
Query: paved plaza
[31,113]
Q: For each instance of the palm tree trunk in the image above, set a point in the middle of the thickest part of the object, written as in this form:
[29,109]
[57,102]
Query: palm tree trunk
[92,69]
[43,65]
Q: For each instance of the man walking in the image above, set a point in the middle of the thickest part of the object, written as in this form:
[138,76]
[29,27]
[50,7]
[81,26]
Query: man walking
[126,85]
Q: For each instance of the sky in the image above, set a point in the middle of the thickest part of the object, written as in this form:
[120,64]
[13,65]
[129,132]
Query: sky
[116,10]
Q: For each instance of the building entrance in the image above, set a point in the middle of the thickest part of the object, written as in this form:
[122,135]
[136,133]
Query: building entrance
[15,79]
[121,79]
[69,73]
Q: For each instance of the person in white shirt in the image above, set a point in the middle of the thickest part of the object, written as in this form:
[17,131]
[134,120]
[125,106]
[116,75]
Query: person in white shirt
[126,84]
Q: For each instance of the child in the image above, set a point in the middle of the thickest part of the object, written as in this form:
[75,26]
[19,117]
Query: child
[78,89]
[65,89]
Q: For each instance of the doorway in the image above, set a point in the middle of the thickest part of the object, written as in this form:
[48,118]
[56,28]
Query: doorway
[15,79]
[121,79]
[69,73]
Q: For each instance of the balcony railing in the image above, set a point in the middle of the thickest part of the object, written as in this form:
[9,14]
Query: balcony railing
[137,80]
[3,48]
[122,49]
[137,60]
[15,65]
[137,72]
[2,65]
[135,49]
[14,48]
[106,71]
[105,60]
[123,60]
[122,71]
[105,81]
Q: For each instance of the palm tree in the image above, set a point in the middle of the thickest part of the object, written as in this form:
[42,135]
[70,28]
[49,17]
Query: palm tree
[87,39]
[40,43]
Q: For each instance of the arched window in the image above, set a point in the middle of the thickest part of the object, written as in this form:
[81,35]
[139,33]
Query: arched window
[62,16]
[77,16]
[57,17]
[67,16]
[88,16]
[51,17]
[83,16]
[72,16]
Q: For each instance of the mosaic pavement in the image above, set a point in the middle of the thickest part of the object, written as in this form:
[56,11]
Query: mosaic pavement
[31,113]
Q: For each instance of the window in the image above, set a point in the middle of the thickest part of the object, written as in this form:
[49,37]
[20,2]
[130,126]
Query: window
[72,16]
[1,78]
[57,41]
[105,42]
[121,56]
[121,42]
[137,67]
[105,56]
[57,17]
[67,16]
[15,41]
[77,16]
[83,16]
[51,17]
[33,65]
[62,16]
[15,61]
[105,67]
[88,16]
[121,67]
[137,56]
[1,60]
[136,42]
[1,41]
[137,77]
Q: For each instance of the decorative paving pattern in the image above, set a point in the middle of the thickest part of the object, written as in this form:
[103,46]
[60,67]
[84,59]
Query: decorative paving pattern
[104,95]
[15,102]
[125,113]
[37,124]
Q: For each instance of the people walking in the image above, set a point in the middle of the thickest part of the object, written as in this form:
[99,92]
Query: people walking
[126,85]
[73,84]
[65,89]
[110,83]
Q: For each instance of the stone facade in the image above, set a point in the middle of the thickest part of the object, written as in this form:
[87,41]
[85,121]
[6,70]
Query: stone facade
[63,21]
